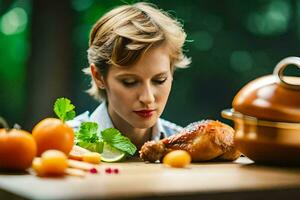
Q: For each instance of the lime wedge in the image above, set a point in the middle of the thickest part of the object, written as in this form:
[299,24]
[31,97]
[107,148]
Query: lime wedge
[111,154]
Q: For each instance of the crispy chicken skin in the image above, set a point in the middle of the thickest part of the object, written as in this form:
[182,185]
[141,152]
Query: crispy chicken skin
[204,140]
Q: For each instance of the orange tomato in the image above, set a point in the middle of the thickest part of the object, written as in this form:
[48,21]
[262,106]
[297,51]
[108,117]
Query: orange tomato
[177,158]
[54,162]
[52,133]
[51,163]
[37,166]
[17,149]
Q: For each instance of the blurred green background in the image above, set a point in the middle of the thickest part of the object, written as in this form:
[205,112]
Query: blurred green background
[43,50]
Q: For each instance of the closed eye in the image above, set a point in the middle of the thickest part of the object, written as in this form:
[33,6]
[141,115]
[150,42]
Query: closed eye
[160,81]
[129,83]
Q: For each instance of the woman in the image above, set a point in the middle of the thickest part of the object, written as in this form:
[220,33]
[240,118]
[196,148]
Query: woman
[133,52]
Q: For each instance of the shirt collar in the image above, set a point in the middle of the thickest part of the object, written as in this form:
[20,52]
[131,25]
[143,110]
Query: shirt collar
[158,131]
[102,118]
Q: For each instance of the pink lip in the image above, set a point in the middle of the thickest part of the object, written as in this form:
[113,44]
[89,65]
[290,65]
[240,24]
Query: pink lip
[144,113]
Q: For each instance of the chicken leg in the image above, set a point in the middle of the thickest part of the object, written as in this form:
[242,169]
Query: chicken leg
[204,140]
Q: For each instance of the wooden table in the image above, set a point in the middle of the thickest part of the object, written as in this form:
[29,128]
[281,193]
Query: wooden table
[241,179]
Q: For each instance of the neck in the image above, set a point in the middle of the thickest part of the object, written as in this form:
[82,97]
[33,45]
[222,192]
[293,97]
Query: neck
[136,135]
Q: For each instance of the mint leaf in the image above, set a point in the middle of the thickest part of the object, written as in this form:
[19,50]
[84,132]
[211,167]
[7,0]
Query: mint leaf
[95,147]
[113,137]
[87,137]
[64,109]
[87,132]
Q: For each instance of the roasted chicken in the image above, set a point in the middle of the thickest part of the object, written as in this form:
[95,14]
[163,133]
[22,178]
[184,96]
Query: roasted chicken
[204,140]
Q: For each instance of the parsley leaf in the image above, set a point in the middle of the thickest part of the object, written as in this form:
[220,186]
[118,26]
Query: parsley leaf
[64,109]
[113,137]
[87,137]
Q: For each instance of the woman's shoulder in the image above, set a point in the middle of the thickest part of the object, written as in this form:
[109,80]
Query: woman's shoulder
[169,128]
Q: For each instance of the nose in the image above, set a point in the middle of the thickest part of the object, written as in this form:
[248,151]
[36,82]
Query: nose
[147,95]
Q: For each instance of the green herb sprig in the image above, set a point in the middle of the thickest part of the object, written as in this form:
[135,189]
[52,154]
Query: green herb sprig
[64,109]
[113,137]
[88,138]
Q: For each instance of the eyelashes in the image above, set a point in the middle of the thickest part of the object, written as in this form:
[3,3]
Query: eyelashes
[131,83]
[160,81]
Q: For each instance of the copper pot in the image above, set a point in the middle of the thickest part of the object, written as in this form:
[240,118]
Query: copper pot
[266,115]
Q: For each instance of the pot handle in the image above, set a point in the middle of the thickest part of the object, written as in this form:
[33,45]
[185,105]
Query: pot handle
[280,67]
[227,113]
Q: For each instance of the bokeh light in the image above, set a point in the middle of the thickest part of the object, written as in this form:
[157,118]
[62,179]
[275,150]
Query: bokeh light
[241,61]
[14,21]
[81,5]
[202,40]
[270,20]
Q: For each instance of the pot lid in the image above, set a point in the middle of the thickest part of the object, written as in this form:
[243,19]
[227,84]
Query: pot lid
[273,97]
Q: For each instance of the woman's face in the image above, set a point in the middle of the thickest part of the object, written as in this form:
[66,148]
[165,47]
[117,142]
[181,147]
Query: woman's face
[137,94]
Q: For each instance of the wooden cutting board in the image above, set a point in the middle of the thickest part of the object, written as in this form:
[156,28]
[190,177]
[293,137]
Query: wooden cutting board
[138,179]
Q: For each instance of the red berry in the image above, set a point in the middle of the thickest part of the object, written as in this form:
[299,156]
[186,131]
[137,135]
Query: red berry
[108,170]
[116,171]
[93,171]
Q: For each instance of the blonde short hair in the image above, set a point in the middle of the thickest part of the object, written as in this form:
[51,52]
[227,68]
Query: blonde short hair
[123,34]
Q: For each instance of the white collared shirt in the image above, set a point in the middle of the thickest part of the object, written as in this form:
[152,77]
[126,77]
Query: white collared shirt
[161,129]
